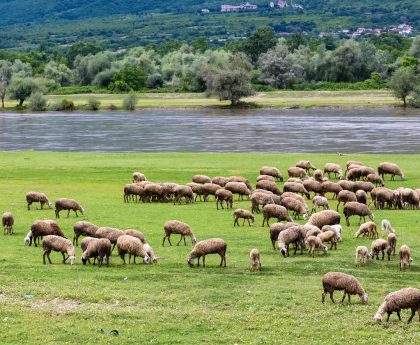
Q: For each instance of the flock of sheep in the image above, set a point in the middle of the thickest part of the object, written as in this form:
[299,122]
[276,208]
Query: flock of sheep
[283,205]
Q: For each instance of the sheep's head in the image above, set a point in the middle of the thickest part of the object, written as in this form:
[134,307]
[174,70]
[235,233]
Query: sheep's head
[49,204]
[325,249]
[27,240]
[193,240]
[283,251]
[364,297]
[305,216]
[253,218]
[378,318]
[146,259]
[82,210]
[190,261]
[340,175]
[84,259]
[72,258]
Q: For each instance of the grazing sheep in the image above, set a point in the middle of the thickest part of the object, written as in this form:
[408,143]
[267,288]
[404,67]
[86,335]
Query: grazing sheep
[336,228]
[326,217]
[297,172]
[376,179]
[185,192]
[354,208]
[392,244]
[332,168]
[363,185]
[137,234]
[346,185]
[387,227]
[130,245]
[296,206]
[368,230]
[111,234]
[201,179]
[32,197]
[313,243]
[294,235]
[69,205]
[138,177]
[220,180]
[244,214]
[312,232]
[254,257]
[239,188]
[306,165]
[383,197]
[330,187]
[177,227]
[58,244]
[405,257]
[270,186]
[209,246]
[149,251]
[409,198]
[83,228]
[407,298]
[362,255]
[319,201]
[276,228]
[377,246]
[312,186]
[329,236]
[133,190]
[8,221]
[258,198]
[240,179]
[224,195]
[99,249]
[40,228]
[84,244]
[27,239]
[361,196]
[332,281]
[265,177]
[197,189]
[345,196]
[386,168]
[152,192]
[319,176]
[296,188]
[275,211]
[210,189]
[354,174]
[292,195]
[294,179]
[272,171]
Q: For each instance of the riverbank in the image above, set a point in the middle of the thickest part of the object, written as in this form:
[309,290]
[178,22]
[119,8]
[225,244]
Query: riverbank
[280,99]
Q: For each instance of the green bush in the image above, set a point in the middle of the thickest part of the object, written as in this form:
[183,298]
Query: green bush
[63,105]
[93,104]
[119,86]
[37,102]
[130,101]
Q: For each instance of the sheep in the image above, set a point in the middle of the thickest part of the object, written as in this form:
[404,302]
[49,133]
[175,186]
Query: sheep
[368,230]
[259,198]
[83,228]
[197,189]
[294,235]
[149,251]
[379,245]
[7,221]
[313,243]
[296,188]
[361,196]
[318,201]
[210,189]
[32,197]
[332,168]
[100,249]
[85,243]
[133,190]
[69,205]
[294,179]
[336,228]
[354,173]
[58,244]
[292,195]
[201,179]
[326,217]
[332,281]
[376,179]
[297,172]
[319,176]
[182,191]
[138,177]
[329,236]
[330,187]
[220,180]
[239,188]
[387,227]
[240,179]
[275,211]
[345,196]
[296,206]
[354,208]
[177,227]
[363,185]
[40,228]
[137,234]
[130,245]
[409,198]
[111,234]
[312,186]
[209,246]
[312,232]
[392,244]
[255,259]
[271,171]
[406,298]
[27,239]
[405,257]
[152,192]
[224,195]
[276,228]
[386,168]
[383,197]
[269,185]
[362,255]
[353,162]
[306,165]
[346,185]
[245,214]
[265,177]
[168,190]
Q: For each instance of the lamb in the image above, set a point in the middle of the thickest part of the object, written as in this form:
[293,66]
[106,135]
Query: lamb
[7,221]
[85,243]
[244,214]
[405,257]
[239,188]
[40,228]
[270,186]
[376,179]
[296,206]
[327,217]
[296,188]
[332,168]
[306,165]
[313,186]
[259,198]
[297,172]
[32,197]
[111,234]
[177,227]
[240,179]
[138,177]
[377,246]
[362,254]
[332,281]
[149,251]
[406,298]
[272,171]
[354,208]
[275,211]
[336,228]
[69,205]
[275,230]
[254,257]
[345,196]
[58,244]
[220,180]
[386,168]
[185,192]
[329,236]
[137,234]
[319,201]
[224,195]
[386,226]
[346,185]
[331,187]
[361,196]
[209,246]
[294,235]
[201,179]
[265,177]
[83,228]
[130,245]
[27,239]
[313,243]
[368,230]
[392,244]
[100,249]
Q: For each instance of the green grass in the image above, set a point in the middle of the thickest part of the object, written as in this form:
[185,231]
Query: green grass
[170,303]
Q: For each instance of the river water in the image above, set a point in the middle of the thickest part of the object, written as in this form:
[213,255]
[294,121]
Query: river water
[358,130]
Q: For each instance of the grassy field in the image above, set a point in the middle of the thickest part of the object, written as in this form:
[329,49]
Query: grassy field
[271,99]
[168,302]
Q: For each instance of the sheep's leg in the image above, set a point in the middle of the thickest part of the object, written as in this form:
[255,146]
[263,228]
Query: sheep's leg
[75,211]
[68,213]
[169,240]
[347,221]
[249,223]
[48,256]
[185,243]
[198,261]
[43,257]
[398,314]
[134,260]
[113,247]
[222,260]
[344,297]
[204,261]
[383,255]
[243,223]
[180,240]
[389,314]
[413,312]
[64,258]
[323,296]
[331,296]
[349,296]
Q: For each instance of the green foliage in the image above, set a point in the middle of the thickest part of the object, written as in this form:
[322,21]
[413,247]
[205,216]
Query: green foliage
[93,104]
[130,77]
[260,41]
[60,73]
[70,90]
[37,102]
[402,83]
[63,105]
[5,77]
[22,88]
[130,101]
[410,61]
[82,49]
[415,48]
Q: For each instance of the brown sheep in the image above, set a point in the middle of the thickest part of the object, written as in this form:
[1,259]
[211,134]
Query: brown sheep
[296,188]
[368,230]
[111,234]
[197,189]
[275,230]
[272,171]
[137,234]
[386,168]
[259,198]
[177,227]
[265,177]
[331,187]
[269,185]
[209,246]
[363,185]
[377,246]
[407,298]
[329,236]
[185,192]
[306,165]
[297,172]
[326,217]
[332,168]
[354,208]
[275,211]
[83,228]
[313,186]
[241,179]
[210,189]
[255,258]
[315,243]
[346,185]
[40,228]
[133,190]
[392,244]
[361,196]
[32,197]
[345,196]
[69,205]
[244,214]
[58,244]
[239,188]
[7,221]
[294,235]
[201,179]
[405,257]
[138,177]
[220,180]
[130,245]
[224,195]
[99,249]
[296,206]
[332,281]
[376,180]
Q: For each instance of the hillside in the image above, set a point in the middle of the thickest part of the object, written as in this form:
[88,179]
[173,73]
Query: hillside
[125,23]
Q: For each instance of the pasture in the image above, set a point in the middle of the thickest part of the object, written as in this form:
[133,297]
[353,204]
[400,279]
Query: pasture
[169,302]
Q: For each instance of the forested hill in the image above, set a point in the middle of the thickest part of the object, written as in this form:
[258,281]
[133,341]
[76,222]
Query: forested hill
[27,22]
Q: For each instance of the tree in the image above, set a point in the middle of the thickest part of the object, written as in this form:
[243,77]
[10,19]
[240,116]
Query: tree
[402,83]
[200,44]
[295,41]
[21,88]
[260,41]
[5,77]
[81,49]
[21,69]
[415,48]
[58,72]
[134,77]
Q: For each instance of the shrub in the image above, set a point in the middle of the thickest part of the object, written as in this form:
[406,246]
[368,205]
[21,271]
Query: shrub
[63,105]
[37,102]
[112,106]
[93,104]
[130,101]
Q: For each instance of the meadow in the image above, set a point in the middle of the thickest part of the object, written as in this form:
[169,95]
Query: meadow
[169,302]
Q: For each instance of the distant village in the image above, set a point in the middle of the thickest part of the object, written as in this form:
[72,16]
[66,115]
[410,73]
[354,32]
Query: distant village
[247,6]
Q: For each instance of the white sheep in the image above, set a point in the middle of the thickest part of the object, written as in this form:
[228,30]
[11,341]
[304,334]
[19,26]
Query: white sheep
[387,227]
[362,254]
